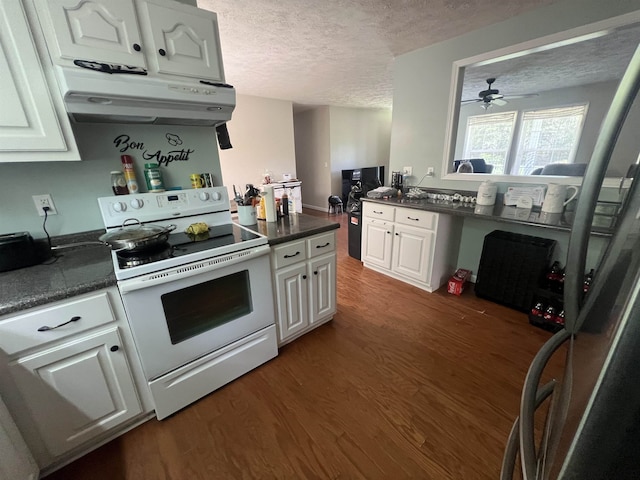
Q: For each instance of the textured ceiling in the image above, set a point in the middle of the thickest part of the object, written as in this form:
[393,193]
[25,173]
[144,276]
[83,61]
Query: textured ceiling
[339,52]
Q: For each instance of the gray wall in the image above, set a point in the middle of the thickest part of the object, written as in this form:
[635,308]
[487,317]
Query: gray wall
[75,186]
[419,115]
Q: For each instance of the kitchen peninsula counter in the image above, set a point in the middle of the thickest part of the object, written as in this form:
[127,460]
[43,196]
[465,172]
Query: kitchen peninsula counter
[292,227]
[70,272]
[497,213]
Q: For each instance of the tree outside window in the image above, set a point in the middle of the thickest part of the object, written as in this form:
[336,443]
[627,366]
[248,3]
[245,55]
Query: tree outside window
[489,137]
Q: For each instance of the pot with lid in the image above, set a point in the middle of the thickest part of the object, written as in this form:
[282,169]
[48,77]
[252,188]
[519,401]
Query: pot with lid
[136,236]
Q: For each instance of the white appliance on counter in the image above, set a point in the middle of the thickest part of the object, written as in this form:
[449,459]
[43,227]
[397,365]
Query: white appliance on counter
[293,190]
[200,309]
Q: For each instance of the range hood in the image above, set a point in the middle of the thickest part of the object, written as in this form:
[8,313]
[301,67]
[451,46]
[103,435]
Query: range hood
[100,97]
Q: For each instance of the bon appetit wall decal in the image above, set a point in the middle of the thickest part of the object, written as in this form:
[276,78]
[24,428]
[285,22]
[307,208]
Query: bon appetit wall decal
[124,143]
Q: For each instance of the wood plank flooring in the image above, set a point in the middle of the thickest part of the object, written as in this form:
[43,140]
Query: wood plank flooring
[401,384]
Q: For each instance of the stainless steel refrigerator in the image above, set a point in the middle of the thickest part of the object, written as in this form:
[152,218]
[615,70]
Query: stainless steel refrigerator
[592,427]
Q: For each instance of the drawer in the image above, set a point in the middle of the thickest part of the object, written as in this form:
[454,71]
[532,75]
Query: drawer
[377,210]
[289,253]
[416,218]
[321,244]
[20,332]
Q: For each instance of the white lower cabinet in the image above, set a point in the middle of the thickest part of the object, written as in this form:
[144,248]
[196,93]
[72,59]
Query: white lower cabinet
[68,388]
[304,273]
[415,246]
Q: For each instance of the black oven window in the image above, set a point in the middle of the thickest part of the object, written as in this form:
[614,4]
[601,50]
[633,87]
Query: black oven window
[196,309]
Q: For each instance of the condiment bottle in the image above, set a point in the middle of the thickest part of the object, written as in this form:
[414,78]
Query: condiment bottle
[130,174]
[153,177]
[118,183]
[285,203]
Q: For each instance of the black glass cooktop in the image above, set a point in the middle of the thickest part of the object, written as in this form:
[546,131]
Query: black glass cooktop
[181,244]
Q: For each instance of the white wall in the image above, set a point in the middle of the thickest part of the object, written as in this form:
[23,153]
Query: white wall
[359,137]
[422,81]
[261,132]
[313,163]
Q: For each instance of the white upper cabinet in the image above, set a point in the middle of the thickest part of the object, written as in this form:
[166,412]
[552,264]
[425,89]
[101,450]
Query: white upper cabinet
[33,124]
[181,40]
[166,38]
[106,32]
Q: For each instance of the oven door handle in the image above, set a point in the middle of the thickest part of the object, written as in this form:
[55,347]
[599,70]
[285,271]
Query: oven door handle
[191,269]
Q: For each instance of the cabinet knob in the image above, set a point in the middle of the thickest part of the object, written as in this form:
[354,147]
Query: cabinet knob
[304,277]
[137,47]
[162,52]
[397,234]
[315,273]
[115,348]
[388,232]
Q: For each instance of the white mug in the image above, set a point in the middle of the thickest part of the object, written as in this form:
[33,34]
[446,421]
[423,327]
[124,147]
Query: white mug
[556,198]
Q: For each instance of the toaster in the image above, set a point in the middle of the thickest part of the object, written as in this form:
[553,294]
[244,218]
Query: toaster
[18,250]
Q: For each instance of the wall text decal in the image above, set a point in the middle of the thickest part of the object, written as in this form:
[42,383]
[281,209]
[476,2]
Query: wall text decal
[124,143]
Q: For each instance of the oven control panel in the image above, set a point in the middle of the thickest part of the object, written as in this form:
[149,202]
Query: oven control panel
[150,207]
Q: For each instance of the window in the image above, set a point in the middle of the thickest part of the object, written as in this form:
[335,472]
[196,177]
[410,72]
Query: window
[548,136]
[489,137]
[544,136]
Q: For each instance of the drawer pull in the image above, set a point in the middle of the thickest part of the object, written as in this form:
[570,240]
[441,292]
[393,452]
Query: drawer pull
[291,256]
[414,219]
[322,246]
[46,328]
[376,211]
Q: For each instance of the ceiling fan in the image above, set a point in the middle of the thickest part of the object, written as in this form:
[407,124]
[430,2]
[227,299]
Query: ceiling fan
[492,96]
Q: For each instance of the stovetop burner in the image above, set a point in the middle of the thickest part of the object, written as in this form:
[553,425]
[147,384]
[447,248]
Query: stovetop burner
[181,244]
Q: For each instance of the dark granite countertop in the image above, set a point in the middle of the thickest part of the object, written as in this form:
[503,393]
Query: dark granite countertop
[71,272]
[293,227]
[497,213]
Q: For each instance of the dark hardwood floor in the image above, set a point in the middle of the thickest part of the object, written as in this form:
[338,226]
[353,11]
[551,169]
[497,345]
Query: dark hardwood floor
[401,384]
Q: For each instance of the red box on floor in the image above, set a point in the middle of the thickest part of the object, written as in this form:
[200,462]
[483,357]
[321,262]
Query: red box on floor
[458,281]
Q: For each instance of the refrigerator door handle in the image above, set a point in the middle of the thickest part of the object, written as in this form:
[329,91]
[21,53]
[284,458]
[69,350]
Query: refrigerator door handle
[511,452]
[528,456]
[590,190]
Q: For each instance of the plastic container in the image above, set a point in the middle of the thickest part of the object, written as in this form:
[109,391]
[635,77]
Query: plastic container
[130,174]
[269,203]
[153,177]
[119,183]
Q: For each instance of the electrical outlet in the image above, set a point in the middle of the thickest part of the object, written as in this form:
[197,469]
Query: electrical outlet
[407,171]
[430,172]
[42,201]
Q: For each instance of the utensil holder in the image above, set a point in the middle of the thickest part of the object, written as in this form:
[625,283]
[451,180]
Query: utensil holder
[247,215]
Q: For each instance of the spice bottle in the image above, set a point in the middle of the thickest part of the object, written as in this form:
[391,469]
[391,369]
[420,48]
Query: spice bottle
[130,174]
[118,183]
[153,177]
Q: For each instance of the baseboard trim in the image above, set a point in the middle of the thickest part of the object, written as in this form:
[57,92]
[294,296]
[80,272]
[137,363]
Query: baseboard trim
[314,207]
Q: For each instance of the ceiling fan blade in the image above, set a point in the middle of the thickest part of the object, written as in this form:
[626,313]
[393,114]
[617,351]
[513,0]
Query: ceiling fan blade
[499,102]
[471,100]
[524,95]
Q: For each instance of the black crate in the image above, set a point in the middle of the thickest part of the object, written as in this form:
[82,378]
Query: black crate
[511,267]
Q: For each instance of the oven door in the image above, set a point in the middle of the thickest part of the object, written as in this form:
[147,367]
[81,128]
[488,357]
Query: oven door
[180,314]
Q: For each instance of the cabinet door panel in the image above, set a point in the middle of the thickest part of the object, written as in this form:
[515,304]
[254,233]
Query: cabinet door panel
[77,390]
[188,38]
[412,249]
[292,300]
[92,30]
[377,239]
[323,287]
[28,120]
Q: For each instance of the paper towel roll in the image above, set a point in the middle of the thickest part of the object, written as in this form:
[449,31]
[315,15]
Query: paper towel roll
[270,203]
